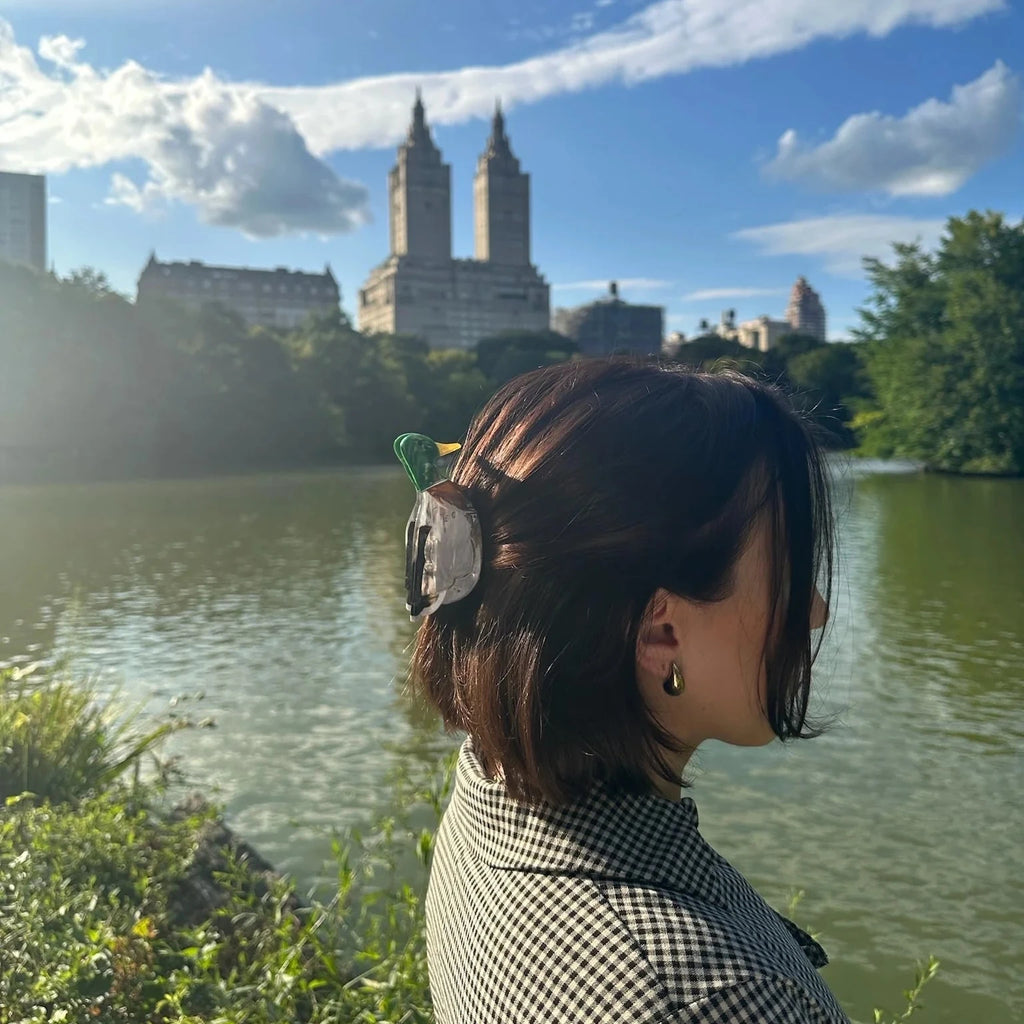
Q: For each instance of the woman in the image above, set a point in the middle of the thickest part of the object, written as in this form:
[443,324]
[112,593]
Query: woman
[631,571]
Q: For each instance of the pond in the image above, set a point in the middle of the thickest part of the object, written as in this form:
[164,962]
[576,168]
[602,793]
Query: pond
[270,609]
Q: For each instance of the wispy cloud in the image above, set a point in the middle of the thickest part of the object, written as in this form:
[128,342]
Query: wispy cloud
[602,283]
[706,294]
[669,37]
[930,151]
[250,153]
[842,241]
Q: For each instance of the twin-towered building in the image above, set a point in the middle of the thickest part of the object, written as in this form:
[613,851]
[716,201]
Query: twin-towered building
[420,289]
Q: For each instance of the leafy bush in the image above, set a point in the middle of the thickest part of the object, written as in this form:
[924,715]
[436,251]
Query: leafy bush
[83,916]
[57,742]
[98,918]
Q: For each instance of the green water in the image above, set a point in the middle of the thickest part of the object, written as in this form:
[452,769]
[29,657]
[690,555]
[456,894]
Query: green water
[272,606]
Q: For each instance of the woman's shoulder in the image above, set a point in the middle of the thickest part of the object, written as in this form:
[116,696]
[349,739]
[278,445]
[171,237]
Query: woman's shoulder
[754,1001]
[511,945]
[709,951]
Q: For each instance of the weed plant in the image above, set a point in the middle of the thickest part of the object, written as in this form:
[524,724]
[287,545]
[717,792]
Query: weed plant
[59,742]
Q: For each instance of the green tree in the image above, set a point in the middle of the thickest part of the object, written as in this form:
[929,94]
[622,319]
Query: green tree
[945,349]
[787,348]
[458,388]
[706,350]
[828,380]
[362,383]
[91,280]
[97,386]
[506,355]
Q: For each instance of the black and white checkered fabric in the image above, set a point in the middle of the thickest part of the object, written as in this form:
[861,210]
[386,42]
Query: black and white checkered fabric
[611,909]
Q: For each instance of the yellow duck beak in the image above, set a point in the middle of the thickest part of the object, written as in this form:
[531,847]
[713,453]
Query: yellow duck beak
[447,449]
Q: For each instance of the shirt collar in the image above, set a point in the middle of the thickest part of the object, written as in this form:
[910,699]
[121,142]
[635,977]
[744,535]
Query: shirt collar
[643,839]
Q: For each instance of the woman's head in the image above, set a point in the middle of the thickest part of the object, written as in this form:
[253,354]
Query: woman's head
[633,517]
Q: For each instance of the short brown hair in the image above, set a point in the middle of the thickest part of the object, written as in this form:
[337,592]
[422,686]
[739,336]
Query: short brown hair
[598,482]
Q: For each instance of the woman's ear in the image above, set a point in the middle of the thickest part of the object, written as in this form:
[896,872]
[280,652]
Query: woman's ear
[657,646]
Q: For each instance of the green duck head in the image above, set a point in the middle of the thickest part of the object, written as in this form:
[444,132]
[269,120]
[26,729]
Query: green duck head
[419,454]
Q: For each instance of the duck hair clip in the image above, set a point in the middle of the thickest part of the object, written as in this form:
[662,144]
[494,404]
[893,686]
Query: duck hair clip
[443,546]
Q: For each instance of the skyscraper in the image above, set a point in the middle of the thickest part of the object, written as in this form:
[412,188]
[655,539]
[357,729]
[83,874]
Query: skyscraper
[805,313]
[23,219]
[501,202]
[420,193]
[420,289]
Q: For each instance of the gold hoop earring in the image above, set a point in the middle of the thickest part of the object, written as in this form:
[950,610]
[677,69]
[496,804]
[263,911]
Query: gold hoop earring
[675,684]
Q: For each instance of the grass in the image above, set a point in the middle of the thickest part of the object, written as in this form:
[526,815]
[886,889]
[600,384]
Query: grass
[95,897]
[58,741]
[92,928]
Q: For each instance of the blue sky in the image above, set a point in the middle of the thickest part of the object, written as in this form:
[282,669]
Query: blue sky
[702,152]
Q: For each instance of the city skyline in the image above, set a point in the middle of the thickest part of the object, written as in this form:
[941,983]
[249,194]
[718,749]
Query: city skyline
[696,152]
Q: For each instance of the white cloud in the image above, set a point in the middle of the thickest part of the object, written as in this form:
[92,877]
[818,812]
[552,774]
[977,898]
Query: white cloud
[247,153]
[841,241]
[237,160]
[707,294]
[60,50]
[930,151]
[665,38]
[243,165]
[636,283]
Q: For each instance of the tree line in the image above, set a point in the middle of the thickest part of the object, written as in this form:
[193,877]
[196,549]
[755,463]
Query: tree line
[94,386]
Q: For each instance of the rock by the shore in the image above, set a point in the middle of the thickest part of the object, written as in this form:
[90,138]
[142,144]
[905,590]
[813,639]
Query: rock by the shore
[200,894]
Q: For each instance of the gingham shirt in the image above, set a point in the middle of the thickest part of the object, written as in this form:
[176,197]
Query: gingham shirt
[613,908]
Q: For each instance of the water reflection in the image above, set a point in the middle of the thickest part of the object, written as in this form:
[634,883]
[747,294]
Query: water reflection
[946,582]
[271,606]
